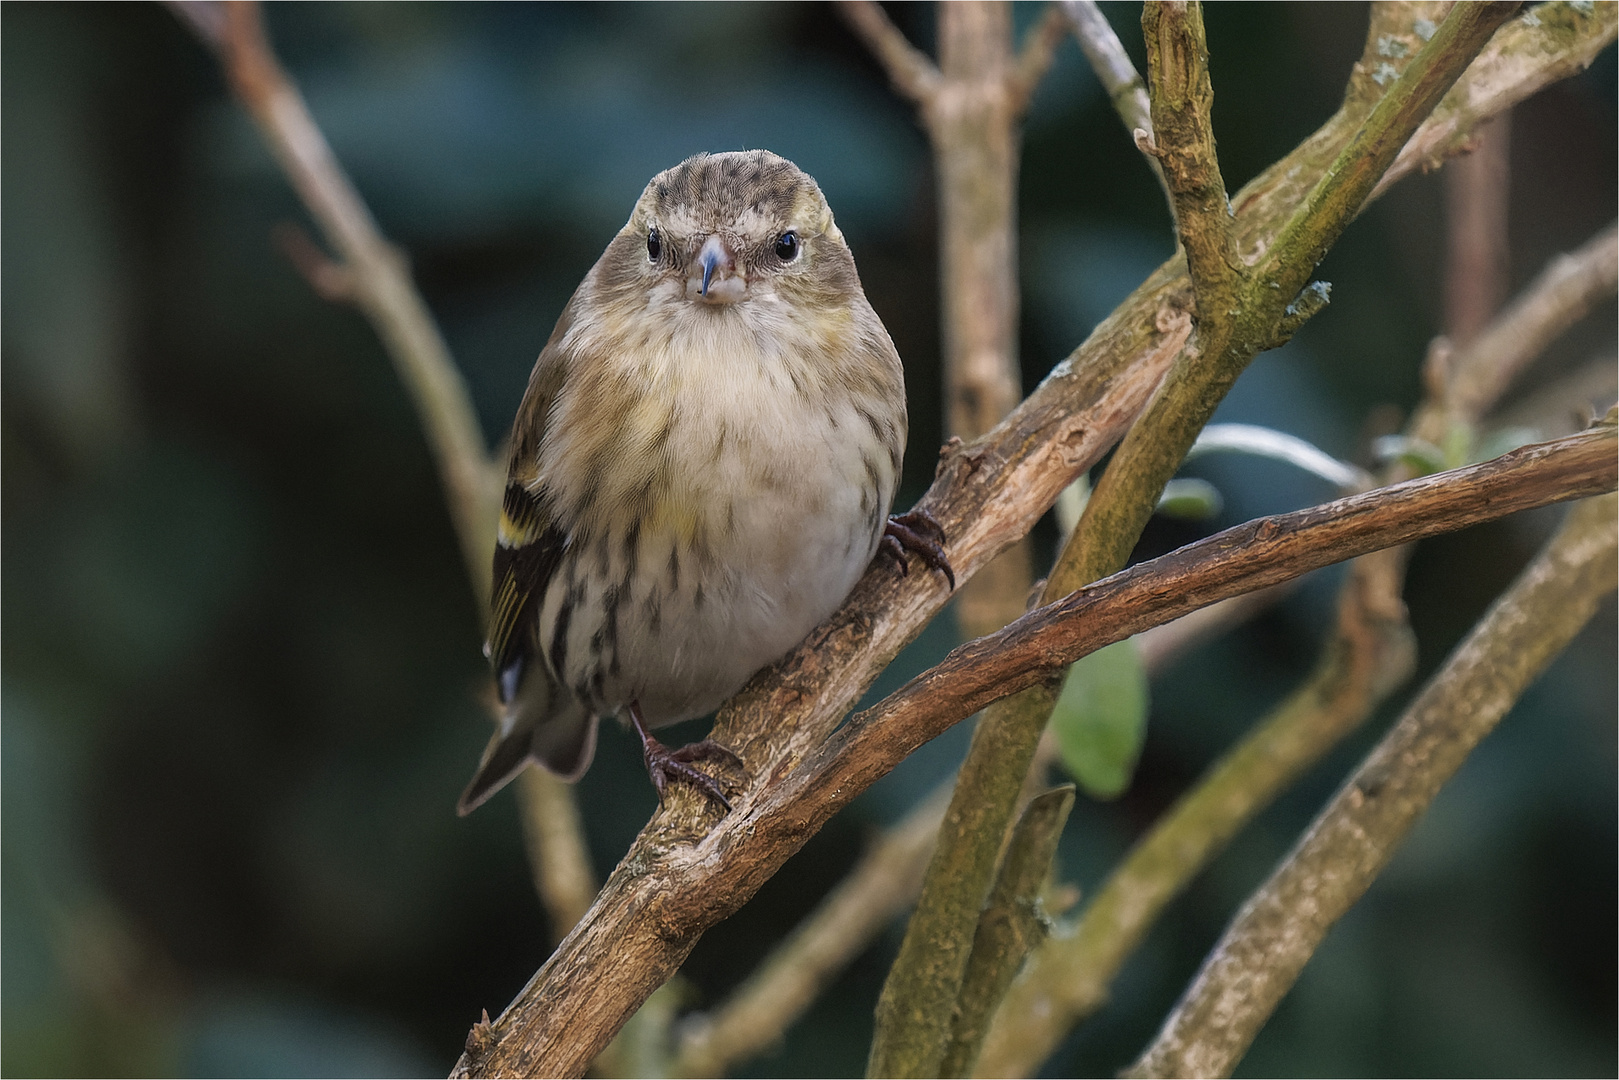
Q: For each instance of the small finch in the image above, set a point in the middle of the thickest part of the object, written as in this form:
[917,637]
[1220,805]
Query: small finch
[701,470]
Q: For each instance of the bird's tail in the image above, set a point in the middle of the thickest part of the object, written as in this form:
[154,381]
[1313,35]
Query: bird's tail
[544,724]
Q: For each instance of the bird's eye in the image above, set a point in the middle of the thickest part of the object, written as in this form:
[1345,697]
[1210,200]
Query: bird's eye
[787,246]
[654,245]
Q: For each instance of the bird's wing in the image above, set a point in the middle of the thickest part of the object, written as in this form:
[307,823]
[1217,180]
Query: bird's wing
[528,544]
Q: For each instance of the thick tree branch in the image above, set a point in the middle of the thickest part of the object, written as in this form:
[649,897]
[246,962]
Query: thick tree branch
[987,494]
[1012,923]
[1278,929]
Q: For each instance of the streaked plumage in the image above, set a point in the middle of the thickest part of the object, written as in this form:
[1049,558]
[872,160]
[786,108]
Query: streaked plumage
[701,468]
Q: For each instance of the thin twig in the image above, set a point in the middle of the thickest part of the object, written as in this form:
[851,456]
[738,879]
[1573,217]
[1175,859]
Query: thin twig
[908,67]
[1034,57]
[374,276]
[1260,956]
[1124,86]
[381,282]
[557,853]
[1477,191]
[1569,287]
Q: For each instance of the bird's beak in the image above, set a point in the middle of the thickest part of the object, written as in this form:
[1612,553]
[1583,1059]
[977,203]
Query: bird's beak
[720,282]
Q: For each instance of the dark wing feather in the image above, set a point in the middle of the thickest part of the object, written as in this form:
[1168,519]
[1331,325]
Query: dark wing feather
[528,546]
[540,720]
[526,558]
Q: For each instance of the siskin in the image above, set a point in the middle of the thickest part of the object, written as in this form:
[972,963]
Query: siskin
[701,469]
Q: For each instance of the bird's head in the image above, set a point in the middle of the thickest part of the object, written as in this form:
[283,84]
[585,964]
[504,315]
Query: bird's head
[722,229]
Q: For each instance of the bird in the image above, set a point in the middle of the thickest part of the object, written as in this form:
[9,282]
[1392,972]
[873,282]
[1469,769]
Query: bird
[701,469]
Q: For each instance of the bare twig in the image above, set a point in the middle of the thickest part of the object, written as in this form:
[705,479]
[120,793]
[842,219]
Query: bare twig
[1476,194]
[1034,57]
[1119,78]
[557,853]
[986,494]
[373,275]
[1279,928]
[381,283]
[908,67]
[1569,287]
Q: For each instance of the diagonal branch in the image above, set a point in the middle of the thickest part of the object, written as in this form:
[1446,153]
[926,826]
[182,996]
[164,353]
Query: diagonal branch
[1261,954]
[1569,287]
[1034,57]
[909,69]
[377,271]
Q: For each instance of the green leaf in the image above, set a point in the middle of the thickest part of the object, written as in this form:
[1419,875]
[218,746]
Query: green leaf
[1424,457]
[1101,719]
[1190,499]
[1505,439]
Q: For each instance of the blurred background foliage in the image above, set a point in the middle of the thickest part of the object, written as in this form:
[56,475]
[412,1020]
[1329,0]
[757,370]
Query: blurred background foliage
[241,666]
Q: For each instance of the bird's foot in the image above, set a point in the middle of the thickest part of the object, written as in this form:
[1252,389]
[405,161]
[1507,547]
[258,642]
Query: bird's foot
[917,531]
[664,764]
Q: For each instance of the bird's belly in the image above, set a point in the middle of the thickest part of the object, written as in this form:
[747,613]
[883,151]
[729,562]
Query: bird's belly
[786,574]
[730,569]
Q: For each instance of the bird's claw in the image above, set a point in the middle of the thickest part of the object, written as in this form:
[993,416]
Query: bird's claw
[916,531]
[664,764]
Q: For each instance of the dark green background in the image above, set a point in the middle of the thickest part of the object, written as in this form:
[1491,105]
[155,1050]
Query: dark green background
[241,664]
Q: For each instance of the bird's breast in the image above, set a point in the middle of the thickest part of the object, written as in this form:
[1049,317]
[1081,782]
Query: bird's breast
[727,500]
